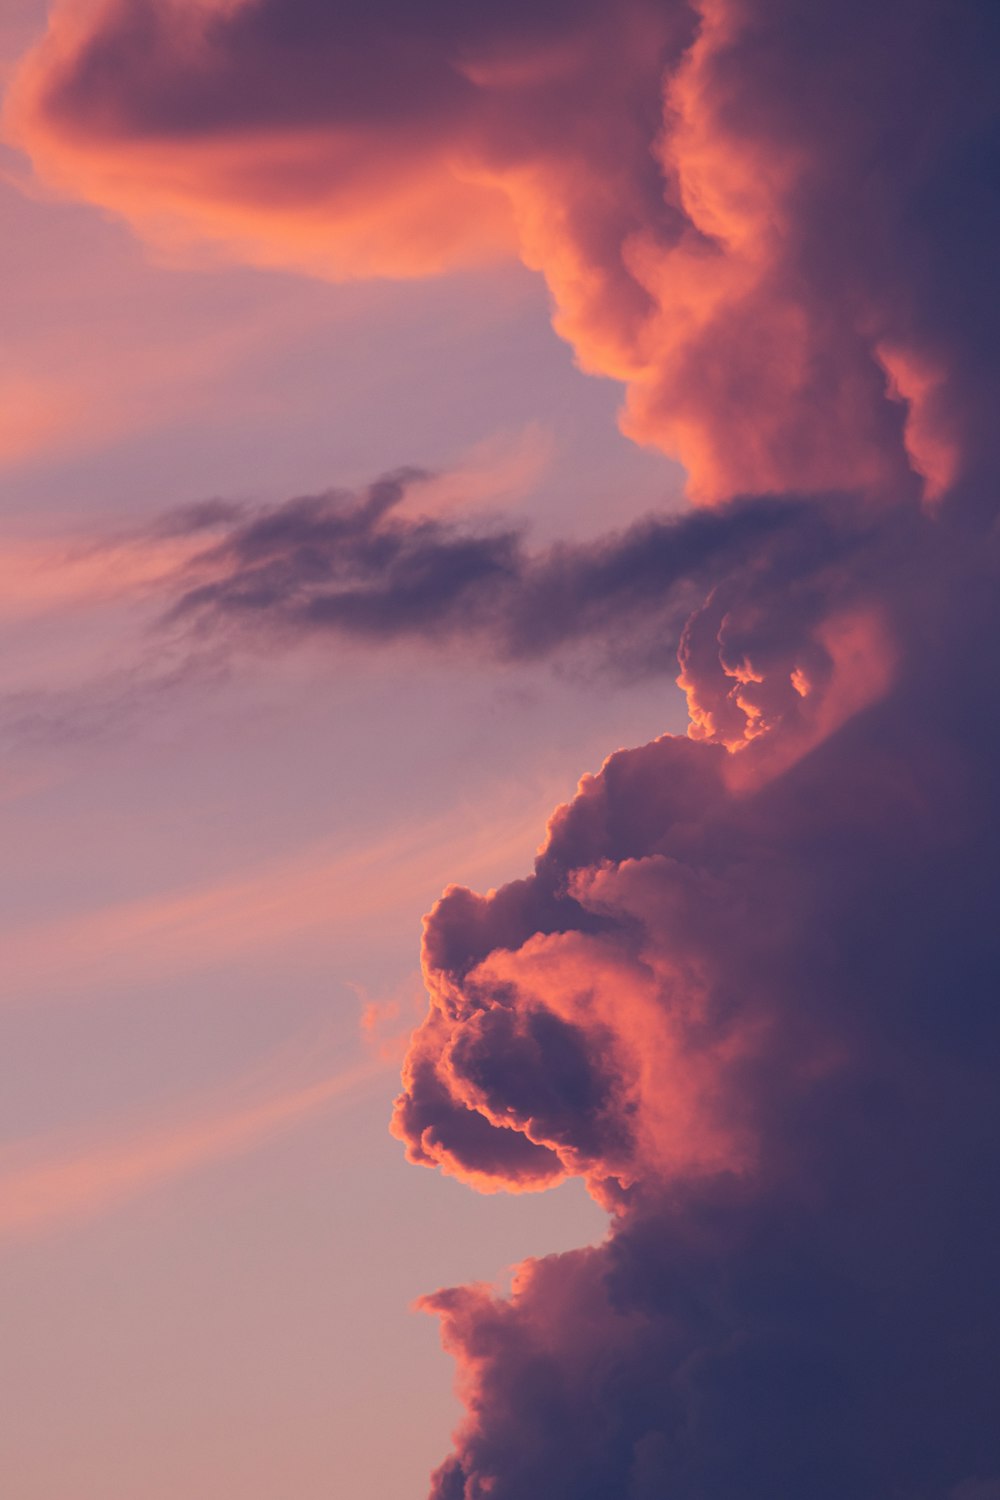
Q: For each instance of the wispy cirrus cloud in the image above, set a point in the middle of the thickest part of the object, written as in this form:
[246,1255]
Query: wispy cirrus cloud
[50,1183]
[316,896]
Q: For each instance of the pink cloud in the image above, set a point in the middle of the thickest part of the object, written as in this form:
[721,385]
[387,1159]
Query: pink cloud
[687,210]
[306,897]
[748,991]
[44,1185]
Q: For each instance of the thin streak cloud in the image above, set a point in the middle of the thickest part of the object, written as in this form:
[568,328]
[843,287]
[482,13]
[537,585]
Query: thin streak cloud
[315,896]
[64,1182]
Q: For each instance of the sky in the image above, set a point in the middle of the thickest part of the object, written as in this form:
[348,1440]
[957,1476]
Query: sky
[498,539]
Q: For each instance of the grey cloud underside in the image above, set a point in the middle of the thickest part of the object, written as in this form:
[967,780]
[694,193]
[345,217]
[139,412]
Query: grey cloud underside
[360,566]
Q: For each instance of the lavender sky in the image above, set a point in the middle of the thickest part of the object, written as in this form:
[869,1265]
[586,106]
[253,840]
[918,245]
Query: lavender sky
[406,411]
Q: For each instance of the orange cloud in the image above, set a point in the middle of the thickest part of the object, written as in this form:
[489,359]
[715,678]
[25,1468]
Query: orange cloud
[334,199]
[770,718]
[39,577]
[677,200]
[32,412]
[933,451]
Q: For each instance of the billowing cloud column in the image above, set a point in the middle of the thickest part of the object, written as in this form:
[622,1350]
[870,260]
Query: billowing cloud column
[750,995]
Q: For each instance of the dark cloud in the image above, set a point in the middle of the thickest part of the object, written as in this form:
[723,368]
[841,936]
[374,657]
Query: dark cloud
[365,566]
[768,980]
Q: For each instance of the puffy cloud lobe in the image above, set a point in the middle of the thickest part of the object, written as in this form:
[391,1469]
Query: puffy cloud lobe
[749,995]
[359,139]
[731,1345]
[751,211]
[815,150]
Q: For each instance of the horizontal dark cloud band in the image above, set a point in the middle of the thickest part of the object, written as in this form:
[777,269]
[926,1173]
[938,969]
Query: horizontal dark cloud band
[364,566]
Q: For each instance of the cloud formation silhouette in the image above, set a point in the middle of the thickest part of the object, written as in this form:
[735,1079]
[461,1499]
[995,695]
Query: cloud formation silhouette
[749,991]
[749,995]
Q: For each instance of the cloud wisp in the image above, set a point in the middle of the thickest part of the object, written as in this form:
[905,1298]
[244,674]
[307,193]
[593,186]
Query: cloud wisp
[45,1185]
[365,567]
[216,581]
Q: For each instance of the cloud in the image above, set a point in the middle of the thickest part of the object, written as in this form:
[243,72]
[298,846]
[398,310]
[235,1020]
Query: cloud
[748,995]
[318,895]
[209,582]
[748,992]
[43,1188]
[750,211]
[365,566]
